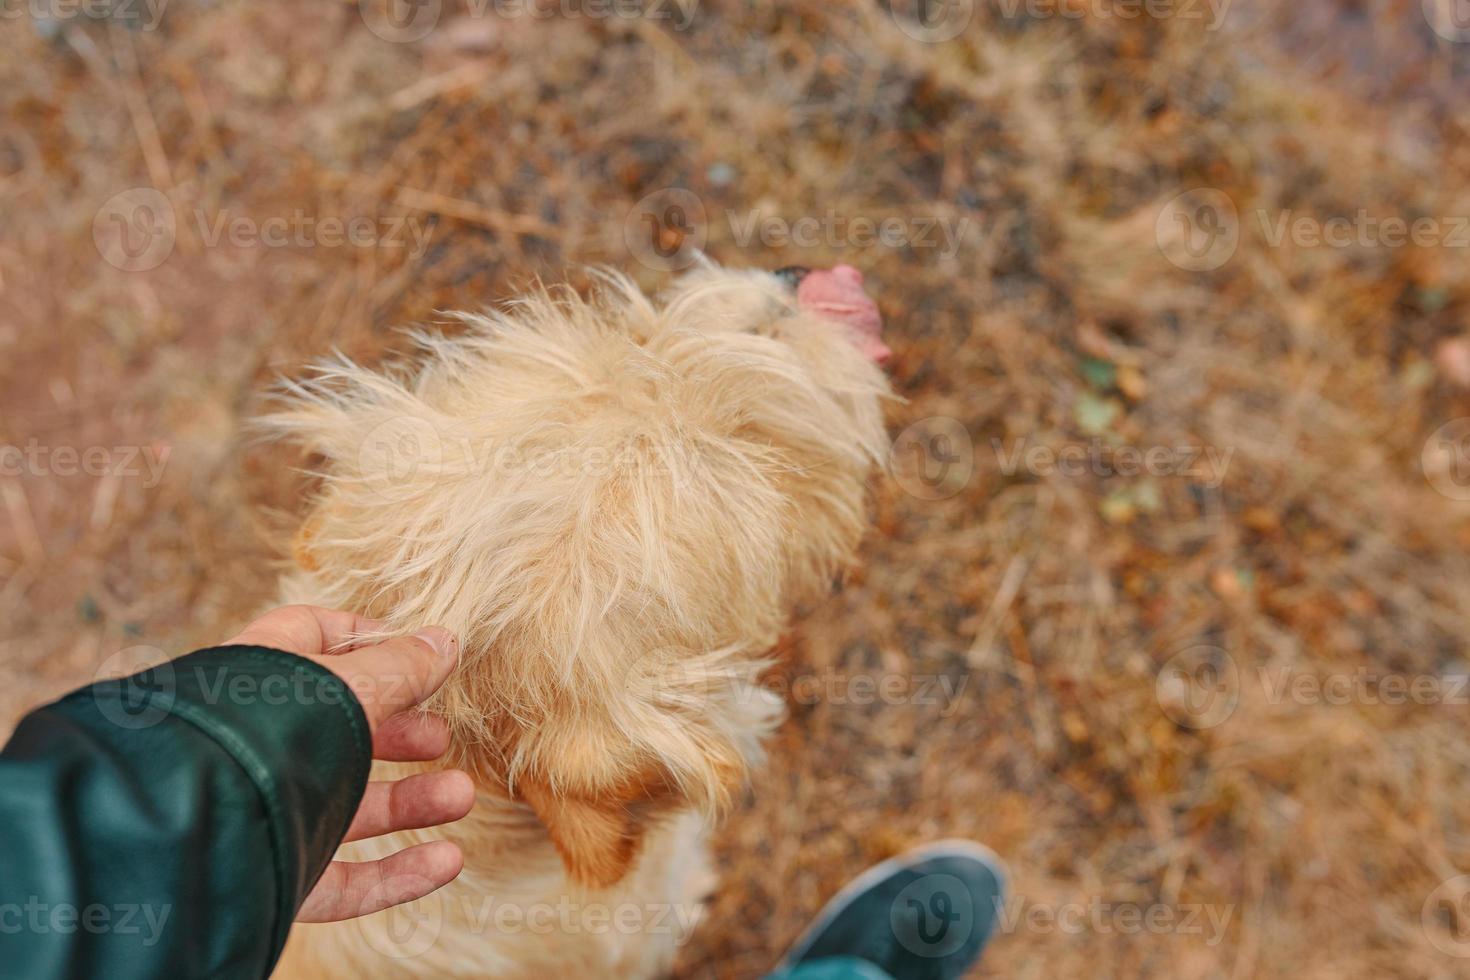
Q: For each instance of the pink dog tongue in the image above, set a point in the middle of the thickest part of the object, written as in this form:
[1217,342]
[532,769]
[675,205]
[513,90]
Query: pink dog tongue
[837,294]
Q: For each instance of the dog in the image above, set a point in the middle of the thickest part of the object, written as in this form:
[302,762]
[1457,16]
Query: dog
[615,503]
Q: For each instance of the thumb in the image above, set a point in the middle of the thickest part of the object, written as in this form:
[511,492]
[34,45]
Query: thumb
[396,674]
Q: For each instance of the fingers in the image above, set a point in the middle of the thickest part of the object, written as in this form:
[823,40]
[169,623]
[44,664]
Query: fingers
[310,631]
[424,800]
[348,890]
[386,677]
[411,736]
[396,674]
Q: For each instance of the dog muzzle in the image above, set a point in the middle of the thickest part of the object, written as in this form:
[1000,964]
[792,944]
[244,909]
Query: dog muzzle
[837,294]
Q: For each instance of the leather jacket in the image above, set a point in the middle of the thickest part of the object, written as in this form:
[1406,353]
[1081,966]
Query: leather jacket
[170,824]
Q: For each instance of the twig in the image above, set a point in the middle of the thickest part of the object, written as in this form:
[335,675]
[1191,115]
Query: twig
[23,521]
[1000,604]
[472,213]
[143,122]
[424,89]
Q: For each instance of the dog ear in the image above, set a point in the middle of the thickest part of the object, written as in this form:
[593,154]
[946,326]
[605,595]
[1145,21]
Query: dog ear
[597,839]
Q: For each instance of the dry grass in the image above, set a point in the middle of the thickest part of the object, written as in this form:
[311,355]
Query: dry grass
[1055,600]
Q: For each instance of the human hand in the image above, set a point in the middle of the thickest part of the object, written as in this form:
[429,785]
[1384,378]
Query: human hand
[388,678]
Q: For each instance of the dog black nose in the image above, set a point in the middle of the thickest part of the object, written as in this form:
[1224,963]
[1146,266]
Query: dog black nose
[792,275]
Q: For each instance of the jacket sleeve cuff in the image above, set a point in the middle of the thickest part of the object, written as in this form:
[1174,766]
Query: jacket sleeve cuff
[294,727]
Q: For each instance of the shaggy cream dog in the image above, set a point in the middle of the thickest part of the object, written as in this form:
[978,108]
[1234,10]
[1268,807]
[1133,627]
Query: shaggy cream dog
[615,503]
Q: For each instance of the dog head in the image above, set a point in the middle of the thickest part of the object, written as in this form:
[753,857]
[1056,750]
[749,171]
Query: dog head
[615,503]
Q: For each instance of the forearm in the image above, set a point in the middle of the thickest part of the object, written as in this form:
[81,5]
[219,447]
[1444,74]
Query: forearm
[170,824]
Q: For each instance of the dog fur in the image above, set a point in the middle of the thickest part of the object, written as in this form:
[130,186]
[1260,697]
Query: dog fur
[615,503]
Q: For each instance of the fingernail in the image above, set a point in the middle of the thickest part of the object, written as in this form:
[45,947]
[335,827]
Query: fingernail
[443,641]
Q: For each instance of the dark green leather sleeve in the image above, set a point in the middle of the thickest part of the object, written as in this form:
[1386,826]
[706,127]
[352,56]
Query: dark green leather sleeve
[170,824]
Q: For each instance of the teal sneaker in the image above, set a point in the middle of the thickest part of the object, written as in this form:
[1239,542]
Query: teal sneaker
[923,915]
